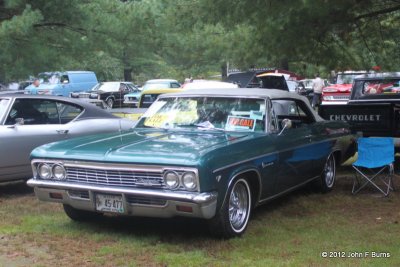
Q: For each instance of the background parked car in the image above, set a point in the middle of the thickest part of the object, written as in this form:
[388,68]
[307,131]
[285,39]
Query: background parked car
[112,93]
[205,84]
[27,121]
[148,96]
[132,99]
[161,84]
[63,83]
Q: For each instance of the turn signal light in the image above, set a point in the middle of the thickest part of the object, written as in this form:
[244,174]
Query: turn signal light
[184,209]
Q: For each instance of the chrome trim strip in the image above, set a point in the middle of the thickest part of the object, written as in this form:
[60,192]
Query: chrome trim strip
[194,197]
[115,166]
[243,161]
[268,154]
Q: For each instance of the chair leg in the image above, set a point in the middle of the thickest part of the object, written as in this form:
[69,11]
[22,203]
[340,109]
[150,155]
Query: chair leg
[358,185]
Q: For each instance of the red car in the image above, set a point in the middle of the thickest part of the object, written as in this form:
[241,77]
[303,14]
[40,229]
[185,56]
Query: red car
[339,92]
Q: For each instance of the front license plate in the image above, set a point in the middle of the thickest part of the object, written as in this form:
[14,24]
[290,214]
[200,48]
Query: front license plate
[109,203]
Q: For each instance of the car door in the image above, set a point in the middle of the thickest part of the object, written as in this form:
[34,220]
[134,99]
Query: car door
[31,123]
[297,150]
[119,95]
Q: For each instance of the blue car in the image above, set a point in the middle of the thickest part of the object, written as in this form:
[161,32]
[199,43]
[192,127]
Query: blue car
[132,99]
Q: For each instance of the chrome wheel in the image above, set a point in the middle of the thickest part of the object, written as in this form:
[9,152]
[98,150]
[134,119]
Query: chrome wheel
[330,171]
[239,205]
[110,103]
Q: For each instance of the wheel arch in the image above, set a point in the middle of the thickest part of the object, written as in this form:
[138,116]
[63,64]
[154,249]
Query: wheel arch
[253,176]
[338,156]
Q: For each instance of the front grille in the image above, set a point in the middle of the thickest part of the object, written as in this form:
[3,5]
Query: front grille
[118,178]
[337,97]
[79,194]
[153,201]
[83,95]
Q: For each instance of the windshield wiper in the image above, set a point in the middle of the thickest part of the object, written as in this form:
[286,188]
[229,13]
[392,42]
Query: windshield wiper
[206,125]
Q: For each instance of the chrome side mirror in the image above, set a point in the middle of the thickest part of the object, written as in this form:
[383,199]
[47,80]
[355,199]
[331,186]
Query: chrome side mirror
[19,121]
[286,124]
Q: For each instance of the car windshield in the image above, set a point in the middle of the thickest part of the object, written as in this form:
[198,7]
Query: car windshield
[346,78]
[292,85]
[156,85]
[49,78]
[206,113]
[106,87]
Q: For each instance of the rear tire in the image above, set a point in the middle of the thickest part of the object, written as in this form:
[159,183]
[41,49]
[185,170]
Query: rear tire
[233,217]
[80,215]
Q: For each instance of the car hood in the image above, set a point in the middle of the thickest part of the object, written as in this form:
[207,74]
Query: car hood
[141,146]
[343,88]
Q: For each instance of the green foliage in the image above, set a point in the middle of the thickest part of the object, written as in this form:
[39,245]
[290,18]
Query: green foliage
[176,38]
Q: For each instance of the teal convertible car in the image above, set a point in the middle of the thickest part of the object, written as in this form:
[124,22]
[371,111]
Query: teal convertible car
[213,154]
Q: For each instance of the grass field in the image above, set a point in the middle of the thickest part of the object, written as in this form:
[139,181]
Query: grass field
[295,230]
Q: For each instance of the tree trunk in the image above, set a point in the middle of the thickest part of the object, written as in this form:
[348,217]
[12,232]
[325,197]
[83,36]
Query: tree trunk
[224,71]
[284,64]
[128,74]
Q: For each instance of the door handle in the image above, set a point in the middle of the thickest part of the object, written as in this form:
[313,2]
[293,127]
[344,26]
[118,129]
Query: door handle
[62,131]
[308,137]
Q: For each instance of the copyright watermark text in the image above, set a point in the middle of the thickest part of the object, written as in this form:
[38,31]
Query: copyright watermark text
[355,254]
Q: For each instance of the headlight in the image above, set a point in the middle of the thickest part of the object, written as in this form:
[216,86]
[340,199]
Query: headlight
[93,96]
[189,180]
[44,171]
[171,179]
[59,172]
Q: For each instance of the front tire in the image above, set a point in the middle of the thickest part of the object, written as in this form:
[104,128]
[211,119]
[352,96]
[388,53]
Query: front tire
[328,176]
[233,217]
[80,215]
[110,103]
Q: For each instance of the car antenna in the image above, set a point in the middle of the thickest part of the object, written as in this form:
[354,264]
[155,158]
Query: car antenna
[120,129]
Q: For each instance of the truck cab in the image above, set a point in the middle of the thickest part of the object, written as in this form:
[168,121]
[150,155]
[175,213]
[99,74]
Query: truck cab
[373,108]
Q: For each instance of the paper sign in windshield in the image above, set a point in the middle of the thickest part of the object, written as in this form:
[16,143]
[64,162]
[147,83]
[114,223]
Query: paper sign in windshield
[157,120]
[236,123]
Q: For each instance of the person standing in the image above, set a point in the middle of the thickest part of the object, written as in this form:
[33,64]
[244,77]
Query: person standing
[36,82]
[317,86]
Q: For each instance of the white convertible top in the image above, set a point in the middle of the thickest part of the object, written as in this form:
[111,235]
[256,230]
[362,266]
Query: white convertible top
[245,93]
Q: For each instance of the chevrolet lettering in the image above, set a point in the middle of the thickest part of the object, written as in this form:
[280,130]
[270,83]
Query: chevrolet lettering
[347,117]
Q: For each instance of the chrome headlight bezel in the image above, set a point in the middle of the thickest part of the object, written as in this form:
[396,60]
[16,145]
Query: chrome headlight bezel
[47,171]
[189,180]
[58,172]
[171,176]
[94,96]
[55,170]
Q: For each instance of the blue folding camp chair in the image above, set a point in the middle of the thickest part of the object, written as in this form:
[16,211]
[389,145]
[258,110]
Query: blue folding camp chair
[374,165]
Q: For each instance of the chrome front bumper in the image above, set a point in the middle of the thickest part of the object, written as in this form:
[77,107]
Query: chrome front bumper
[137,202]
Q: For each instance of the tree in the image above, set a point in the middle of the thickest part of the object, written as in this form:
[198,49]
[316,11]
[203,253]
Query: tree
[336,34]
